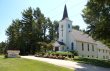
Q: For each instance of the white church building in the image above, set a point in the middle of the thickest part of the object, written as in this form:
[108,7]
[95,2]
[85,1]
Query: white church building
[74,40]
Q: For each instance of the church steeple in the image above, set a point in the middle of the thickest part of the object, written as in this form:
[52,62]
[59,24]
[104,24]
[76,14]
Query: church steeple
[65,13]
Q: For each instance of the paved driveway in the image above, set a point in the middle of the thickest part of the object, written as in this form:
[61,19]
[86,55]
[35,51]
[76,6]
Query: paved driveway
[69,64]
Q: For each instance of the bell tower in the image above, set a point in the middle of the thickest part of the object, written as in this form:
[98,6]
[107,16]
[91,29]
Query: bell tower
[65,27]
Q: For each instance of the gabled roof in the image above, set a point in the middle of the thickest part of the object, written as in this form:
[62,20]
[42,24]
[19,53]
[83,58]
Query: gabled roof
[80,36]
[58,44]
[100,45]
[65,13]
[61,43]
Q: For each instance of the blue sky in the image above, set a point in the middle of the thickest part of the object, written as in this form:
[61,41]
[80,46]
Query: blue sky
[11,9]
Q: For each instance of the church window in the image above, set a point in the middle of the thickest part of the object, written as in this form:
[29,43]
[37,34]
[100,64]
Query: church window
[68,25]
[99,50]
[82,46]
[106,57]
[88,47]
[72,46]
[62,29]
[92,47]
[67,48]
[106,51]
[103,50]
[103,57]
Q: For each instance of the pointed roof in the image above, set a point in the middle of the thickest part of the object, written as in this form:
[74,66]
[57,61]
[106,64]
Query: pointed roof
[81,36]
[65,13]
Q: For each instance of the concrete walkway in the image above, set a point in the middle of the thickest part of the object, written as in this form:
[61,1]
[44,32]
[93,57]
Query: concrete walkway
[69,64]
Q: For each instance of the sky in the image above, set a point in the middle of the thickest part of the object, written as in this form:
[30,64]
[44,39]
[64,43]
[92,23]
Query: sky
[12,9]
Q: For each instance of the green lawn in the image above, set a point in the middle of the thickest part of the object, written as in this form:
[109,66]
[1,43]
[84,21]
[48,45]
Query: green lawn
[20,64]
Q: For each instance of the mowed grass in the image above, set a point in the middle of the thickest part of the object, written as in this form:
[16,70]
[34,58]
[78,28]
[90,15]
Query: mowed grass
[20,64]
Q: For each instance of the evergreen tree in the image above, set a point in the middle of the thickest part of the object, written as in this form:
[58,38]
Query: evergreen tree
[29,34]
[2,47]
[13,33]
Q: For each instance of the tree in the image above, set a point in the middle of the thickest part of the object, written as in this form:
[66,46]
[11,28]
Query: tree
[2,47]
[13,33]
[97,15]
[56,32]
[25,34]
[76,27]
[51,30]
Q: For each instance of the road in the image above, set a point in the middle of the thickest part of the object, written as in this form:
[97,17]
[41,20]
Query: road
[69,64]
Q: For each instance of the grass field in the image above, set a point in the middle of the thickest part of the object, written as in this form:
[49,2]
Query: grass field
[20,64]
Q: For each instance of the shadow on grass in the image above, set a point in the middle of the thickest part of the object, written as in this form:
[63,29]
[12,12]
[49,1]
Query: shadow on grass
[89,67]
[95,62]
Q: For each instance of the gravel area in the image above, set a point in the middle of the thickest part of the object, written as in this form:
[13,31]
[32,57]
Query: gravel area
[69,64]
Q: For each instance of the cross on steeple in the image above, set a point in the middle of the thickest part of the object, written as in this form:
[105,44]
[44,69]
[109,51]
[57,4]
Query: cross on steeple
[65,13]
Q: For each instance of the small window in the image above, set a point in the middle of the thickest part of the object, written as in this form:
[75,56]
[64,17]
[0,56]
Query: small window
[106,57]
[103,57]
[106,51]
[82,47]
[67,48]
[103,50]
[92,47]
[68,25]
[72,46]
[62,29]
[88,47]
[99,50]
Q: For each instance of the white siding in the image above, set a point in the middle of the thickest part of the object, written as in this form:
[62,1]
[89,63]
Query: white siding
[103,54]
[85,53]
[66,32]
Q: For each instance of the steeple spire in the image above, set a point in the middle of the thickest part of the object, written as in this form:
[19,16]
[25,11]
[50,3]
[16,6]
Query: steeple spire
[65,13]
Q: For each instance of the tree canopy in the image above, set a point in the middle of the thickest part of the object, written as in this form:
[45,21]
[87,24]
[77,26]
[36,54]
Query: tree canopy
[27,33]
[97,16]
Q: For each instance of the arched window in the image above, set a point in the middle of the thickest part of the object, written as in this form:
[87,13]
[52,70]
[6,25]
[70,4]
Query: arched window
[82,47]
[88,46]
[68,25]
[72,46]
[92,47]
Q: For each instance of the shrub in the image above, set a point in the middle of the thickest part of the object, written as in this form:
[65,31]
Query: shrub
[75,53]
[61,57]
[63,53]
[6,56]
[46,56]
